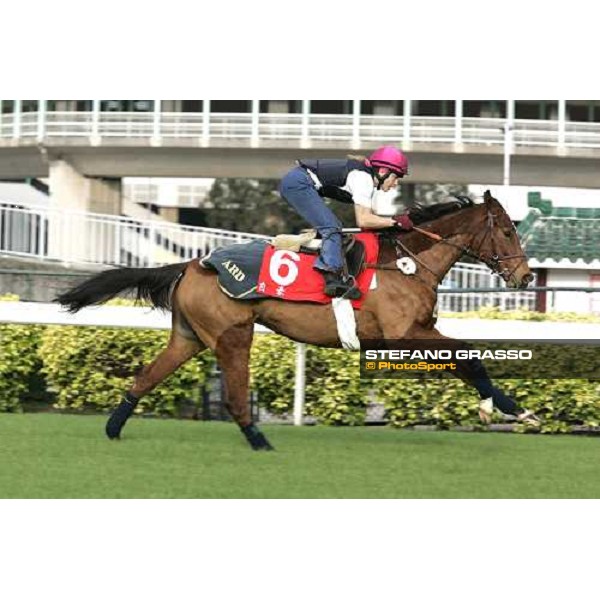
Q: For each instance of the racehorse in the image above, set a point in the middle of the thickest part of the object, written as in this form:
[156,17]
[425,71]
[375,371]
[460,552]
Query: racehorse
[401,306]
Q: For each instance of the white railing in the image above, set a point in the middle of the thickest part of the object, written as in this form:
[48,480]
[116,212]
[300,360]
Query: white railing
[80,237]
[199,128]
[465,276]
[53,234]
[432,129]
[280,126]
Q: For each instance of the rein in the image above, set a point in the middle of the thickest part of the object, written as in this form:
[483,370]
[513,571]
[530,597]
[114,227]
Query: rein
[494,262]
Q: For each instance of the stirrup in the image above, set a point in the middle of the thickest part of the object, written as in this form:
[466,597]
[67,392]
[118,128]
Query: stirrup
[338,287]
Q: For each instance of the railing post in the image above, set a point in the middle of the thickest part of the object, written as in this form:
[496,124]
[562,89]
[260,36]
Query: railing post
[117,248]
[562,122]
[151,236]
[305,138]
[508,140]
[406,133]
[42,234]
[254,131]
[156,137]
[300,383]
[356,124]
[41,120]
[95,136]
[17,120]
[458,115]
[205,123]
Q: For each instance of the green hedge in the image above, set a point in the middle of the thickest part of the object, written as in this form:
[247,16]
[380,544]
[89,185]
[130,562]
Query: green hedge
[89,368]
[92,367]
[561,403]
[20,364]
[334,393]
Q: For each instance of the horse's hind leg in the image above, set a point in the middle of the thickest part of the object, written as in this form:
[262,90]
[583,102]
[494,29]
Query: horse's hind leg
[179,350]
[233,353]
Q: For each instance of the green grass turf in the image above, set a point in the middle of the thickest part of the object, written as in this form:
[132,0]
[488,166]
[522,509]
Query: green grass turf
[63,456]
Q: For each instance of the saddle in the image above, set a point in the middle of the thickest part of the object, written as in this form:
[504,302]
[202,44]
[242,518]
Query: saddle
[307,241]
[255,270]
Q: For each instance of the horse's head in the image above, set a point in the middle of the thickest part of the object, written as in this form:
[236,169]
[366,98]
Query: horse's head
[483,231]
[498,245]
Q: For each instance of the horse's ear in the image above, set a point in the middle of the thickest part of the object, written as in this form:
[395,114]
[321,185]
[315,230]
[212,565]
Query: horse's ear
[487,197]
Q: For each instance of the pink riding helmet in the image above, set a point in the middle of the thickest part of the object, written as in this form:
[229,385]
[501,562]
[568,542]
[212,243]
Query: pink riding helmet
[391,158]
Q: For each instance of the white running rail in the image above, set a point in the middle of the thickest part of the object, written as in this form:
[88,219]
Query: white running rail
[81,237]
[465,275]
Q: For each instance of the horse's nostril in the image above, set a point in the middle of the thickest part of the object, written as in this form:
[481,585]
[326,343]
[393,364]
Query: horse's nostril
[528,278]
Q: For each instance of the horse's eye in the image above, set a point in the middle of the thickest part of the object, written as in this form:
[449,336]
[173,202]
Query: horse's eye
[507,232]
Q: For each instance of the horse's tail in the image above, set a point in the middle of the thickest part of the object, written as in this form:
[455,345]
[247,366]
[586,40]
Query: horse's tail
[151,284]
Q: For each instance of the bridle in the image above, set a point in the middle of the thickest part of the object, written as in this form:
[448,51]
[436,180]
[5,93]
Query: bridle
[494,261]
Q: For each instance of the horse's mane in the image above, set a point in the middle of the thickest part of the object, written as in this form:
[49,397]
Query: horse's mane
[421,214]
[424,214]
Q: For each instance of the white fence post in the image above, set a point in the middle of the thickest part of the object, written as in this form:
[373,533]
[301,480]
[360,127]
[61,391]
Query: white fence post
[95,133]
[305,135]
[17,120]
[41,120]
[356,124]
[406,124]
[254,135]
[156,131]
[300,382]
[205,139]
[458,115]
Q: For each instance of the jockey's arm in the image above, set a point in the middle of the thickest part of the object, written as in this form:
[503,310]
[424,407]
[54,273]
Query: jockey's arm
[360,185]
[367,219]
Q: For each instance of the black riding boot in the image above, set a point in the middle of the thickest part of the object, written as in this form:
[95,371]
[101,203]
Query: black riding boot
[337,286]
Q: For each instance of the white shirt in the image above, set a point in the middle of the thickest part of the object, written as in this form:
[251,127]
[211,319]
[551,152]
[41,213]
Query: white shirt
[360,185]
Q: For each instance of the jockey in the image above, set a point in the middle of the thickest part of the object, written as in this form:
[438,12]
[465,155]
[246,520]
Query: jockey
[352,180]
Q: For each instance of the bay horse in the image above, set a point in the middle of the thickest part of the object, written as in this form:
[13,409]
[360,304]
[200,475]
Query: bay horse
[401,306]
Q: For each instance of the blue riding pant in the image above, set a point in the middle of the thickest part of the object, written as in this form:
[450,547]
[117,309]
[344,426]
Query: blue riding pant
[299,191]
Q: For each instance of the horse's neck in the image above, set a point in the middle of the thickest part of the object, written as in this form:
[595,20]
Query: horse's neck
[441,257]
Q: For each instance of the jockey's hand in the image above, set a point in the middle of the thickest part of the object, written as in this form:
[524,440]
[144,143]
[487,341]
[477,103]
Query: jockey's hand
[403,222]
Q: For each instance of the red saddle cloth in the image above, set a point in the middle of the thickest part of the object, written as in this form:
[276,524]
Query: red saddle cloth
[290,275]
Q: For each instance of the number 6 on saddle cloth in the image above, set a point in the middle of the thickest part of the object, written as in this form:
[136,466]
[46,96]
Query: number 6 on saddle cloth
[283,268]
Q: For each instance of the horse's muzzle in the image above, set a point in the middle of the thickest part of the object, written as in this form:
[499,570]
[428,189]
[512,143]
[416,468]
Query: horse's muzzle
[526,280]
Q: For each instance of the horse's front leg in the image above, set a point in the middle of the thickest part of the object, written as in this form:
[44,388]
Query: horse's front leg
[233,355]
[473,372]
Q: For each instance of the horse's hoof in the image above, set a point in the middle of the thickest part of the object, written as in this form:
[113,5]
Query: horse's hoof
[528,417]
[256,438]
[118,418]
[115,424]
[260,442]
[112,433]
[486,410]
[266,446]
